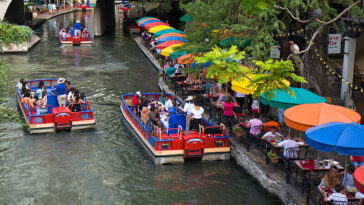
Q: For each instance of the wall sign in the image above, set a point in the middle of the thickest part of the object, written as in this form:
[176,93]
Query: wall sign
[334,44]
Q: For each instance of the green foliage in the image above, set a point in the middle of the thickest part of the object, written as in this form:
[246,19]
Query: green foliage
[257,20]
[271,75]
[271,154]
[225,64]
[12,33]
[237,129]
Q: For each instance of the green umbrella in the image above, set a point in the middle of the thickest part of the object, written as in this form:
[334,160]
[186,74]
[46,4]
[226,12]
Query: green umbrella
[141,19]
[159,33]
[233,41]
[177,54]
[186,18]
[282,99]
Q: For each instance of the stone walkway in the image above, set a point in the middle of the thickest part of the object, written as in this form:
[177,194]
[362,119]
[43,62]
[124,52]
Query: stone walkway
[41,18]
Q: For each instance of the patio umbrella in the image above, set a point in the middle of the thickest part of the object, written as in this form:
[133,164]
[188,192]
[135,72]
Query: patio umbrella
[159,33]
[170,38]
[169,50]
[186,18]
[149,20]
[359,179]
[168,43]
[302,117]
[159,28]
[344,138]
[144,18]
[172,34]
[153,24]
[143,23]
[243,86]
[282,99]
[177,54]
[188,58]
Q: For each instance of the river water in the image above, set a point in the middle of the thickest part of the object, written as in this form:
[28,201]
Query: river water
[105,165]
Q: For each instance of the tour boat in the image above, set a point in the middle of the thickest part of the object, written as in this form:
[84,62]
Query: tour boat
[56,118]
[76,41]
[84,7]
[173,143]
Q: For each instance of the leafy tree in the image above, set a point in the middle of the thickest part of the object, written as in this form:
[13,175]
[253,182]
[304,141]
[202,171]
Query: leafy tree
[268,75]
[261,20]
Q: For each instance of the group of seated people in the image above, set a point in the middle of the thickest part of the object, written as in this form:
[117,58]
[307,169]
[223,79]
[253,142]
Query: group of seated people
[336,190]
[37,100]
[71,32]
[150,109]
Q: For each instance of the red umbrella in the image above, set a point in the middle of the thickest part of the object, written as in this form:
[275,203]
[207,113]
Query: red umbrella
[359,179]
[169,43]
[151,25]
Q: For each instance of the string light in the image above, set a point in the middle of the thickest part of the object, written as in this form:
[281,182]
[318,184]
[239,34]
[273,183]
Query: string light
[333,72]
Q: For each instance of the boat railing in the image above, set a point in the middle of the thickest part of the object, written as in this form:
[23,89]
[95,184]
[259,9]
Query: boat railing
[84,106]
[136,122]
[168,132]
[47,82]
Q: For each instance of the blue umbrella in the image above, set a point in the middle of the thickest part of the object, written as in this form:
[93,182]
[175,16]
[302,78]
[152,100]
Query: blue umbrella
[149,21]
[344,138]
[170,38]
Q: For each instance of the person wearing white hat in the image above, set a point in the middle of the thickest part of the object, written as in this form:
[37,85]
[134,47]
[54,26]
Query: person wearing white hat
[60,90]
[77,26]
[187,109]
[136,102]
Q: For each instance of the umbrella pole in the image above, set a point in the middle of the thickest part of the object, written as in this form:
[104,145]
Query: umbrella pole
[345,170]
[318,155]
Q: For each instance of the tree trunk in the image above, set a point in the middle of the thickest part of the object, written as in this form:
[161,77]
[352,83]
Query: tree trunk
[314,70]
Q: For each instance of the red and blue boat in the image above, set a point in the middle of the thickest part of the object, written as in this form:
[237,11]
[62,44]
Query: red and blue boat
[76,41]
[56,118]
[172,143]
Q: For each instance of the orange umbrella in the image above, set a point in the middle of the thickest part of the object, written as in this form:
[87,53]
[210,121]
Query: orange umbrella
[172,34]
[188,58]
[302,117]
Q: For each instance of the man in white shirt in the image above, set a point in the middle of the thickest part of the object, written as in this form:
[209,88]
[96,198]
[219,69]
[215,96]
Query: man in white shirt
[187,109]
[338,197]
[290,147]
[272,134]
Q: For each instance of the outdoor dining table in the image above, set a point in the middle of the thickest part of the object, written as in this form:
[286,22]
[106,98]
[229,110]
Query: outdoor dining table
[195,89]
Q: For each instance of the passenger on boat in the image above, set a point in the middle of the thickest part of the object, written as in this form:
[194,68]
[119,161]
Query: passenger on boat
[175,102]
[76,103]
[70,96]
[68,86]
[60,90]
[42,109]
[162,98]
[77,26]
[136,102]
[168,103]
[28,100]
[39,90]
[187,109]
[145,114]
[196,116]
[154,116]
[20,84]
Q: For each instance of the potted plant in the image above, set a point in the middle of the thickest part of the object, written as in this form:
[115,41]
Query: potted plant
[238,132]
[272,157]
